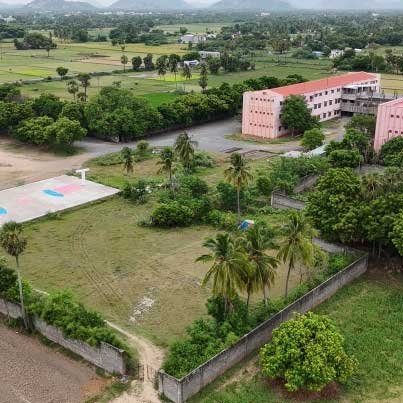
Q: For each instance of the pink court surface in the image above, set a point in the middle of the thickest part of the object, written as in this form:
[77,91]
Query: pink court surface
[34,200]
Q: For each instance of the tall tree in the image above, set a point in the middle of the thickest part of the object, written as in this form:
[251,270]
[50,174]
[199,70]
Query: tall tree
[62,72]
[173,63]
[238,174]
[161,64]
[187,72]
[73,88]
[128,161]
[257,241]
[228,265]
[136,63]
[85,81]
[124,60]
[14,243]
[296,245]
[184,149]
[166,162]
[203,80]
[296,116]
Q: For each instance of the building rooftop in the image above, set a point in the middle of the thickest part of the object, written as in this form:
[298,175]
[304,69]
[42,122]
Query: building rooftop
[318,85]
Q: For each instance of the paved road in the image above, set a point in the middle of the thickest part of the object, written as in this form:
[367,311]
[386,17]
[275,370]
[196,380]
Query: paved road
[210,137]
[33,373]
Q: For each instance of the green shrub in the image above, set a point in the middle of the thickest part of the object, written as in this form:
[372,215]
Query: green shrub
[194,186]
[392,152]
[108,159]
[172,214]
[345,158]
[312,139]
[76,322]
[137,192]
[307,353]
[227,197]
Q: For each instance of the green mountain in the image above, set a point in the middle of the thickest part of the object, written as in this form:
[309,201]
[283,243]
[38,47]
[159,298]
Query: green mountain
[59,5]
[255,5]
[149,5]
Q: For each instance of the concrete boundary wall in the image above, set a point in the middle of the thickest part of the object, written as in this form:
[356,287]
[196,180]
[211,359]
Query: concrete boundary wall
[282,201]
[179,390]
[105,356]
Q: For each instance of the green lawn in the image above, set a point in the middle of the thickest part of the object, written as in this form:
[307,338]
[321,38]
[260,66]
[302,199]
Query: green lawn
[123,269]
[370,316]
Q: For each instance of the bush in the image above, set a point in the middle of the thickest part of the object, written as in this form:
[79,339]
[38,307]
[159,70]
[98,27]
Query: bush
[172,214]
[62,311]
[137,192]
[307,353]
[392,152]
[227,197]
[34,130]
[312,139]
[345,158]
[194,186]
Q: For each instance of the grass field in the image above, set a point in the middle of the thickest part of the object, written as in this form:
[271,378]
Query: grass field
[122,269]
[369,314]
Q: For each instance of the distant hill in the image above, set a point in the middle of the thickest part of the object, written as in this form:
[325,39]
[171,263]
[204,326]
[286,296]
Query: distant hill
[349,4]
[256,5]
[149,5]
[59,5]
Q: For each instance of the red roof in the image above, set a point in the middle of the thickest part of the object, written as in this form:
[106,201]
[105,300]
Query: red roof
[323,84]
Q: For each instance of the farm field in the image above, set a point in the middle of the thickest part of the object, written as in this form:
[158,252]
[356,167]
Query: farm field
[145,279]
[368,314]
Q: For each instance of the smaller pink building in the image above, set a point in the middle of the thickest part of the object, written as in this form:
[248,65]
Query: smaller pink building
[389,123]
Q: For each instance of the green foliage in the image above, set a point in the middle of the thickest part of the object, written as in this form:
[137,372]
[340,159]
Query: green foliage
[307,353]
[365,124]
[345,158]
[12,113]
[137,192]
[47,105]
[33,130]
[62,311]
[9,92]
[34,40]
[312,139]
[392,152]
[227,197]
[397,233]
[116,113]
[64,132]
[8,279]
[172,214]
[296,115]
[336,193]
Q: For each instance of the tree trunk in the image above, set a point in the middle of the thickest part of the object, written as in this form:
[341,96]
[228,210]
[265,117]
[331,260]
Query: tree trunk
[287,281]
[238,191]
[265,295]
[24,318]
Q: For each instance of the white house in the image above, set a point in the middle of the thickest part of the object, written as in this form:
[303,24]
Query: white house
[204,54]
[190,38]
[191,63]
[334,53]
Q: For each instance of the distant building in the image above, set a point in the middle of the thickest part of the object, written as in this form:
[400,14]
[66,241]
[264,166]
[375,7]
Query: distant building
[318,53]
[8,19]
[211,36]
[191,63]
[334,53]
[205,54]
[326,98]
[190,38]
[389,123]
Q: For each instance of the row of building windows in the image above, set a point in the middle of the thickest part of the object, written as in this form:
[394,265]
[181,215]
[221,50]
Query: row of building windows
[319,94]
[262,112]
[326,103]
[396,131]
[397,116]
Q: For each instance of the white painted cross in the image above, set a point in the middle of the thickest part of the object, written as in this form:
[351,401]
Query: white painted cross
[82,172]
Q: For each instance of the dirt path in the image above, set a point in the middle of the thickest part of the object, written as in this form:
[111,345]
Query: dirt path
[149,355]
[33,373]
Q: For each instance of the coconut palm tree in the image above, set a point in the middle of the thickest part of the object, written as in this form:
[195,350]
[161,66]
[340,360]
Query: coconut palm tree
[296,245]
[184,149]
[13,242]
[128,161]
[238,174]
[166,162]
[73,88]
[371,185]
[256,242]
[228,266]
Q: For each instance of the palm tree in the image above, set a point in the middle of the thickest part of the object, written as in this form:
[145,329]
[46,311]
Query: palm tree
[127,157]
[184,148]
[167,160]
[228,266]
[257,241]
[238,174]
[85,80]
[173,62]
[296,245]
[187,73]
[13,242]
[124,60]
[73,88]
[371,185]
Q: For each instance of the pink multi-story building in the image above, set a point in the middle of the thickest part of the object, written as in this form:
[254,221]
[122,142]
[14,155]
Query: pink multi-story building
[389,122]
[326,98]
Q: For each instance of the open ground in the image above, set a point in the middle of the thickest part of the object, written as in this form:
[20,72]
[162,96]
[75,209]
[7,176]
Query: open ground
[48,376]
